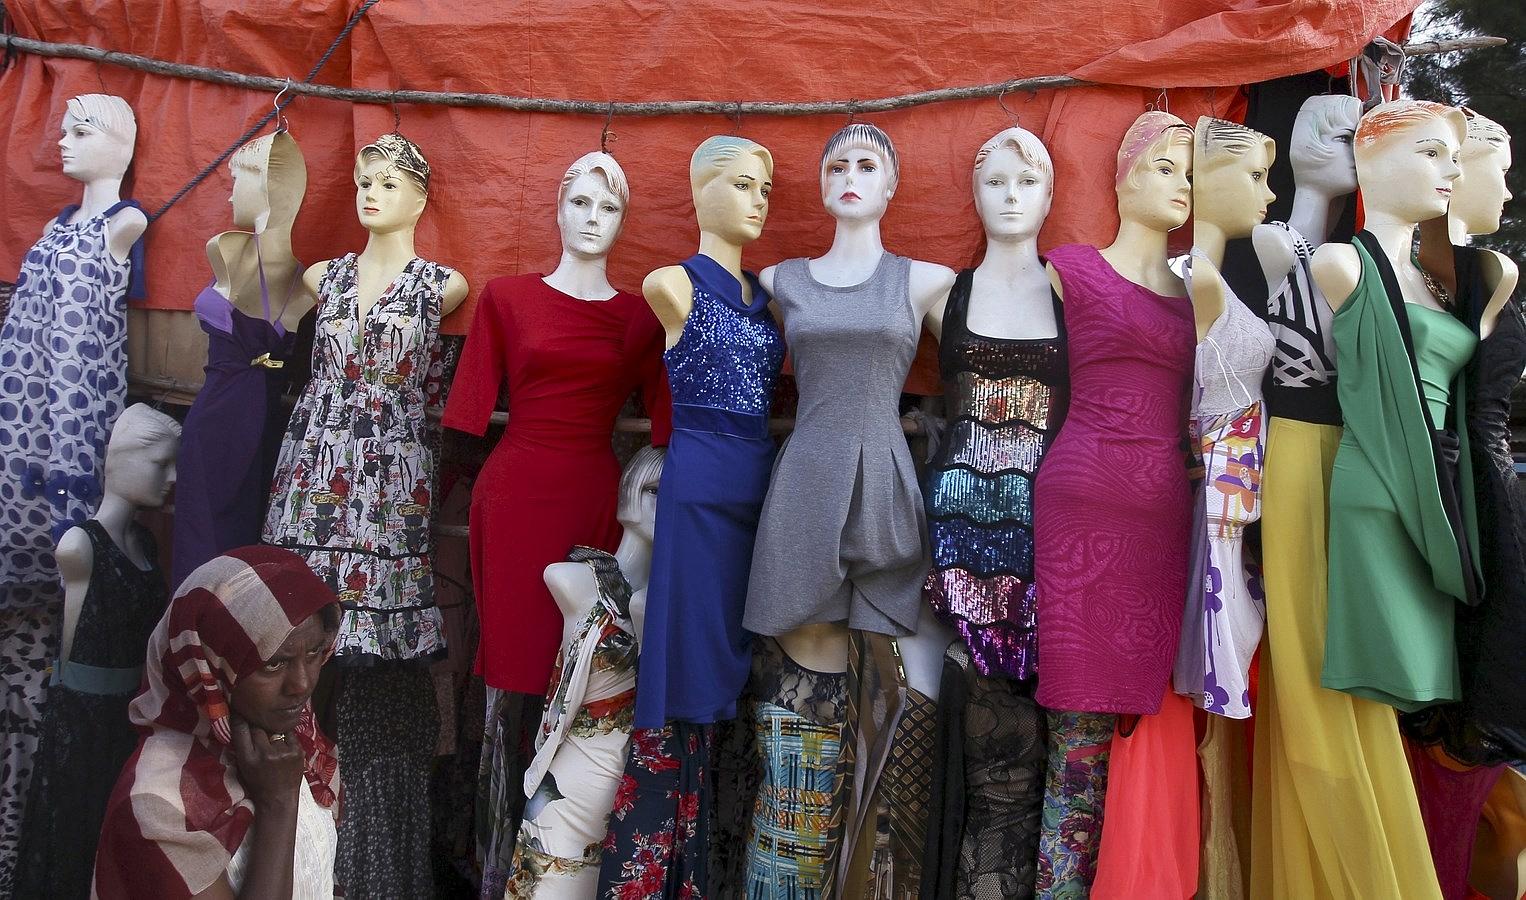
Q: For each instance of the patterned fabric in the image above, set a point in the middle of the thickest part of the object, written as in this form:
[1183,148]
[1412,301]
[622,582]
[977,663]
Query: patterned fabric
[179,813]
[507,744]
[797,719]
[1074,788]
[354,484]
[1301,382]
[1006,400]
[28,645]
[657,845]
[63,382]
[582,744]
[895,868]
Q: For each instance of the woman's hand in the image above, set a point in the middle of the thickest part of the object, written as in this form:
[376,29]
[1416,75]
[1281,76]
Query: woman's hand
[270,766]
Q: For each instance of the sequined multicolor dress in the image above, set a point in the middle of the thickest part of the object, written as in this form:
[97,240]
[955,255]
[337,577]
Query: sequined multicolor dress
[1005,401]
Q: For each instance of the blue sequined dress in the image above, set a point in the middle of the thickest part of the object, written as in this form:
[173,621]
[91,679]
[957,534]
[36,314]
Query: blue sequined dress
[695,655]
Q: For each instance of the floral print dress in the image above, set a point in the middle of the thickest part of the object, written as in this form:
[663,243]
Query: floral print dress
[354,484]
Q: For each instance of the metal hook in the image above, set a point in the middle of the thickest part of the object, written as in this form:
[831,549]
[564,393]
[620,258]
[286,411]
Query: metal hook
[605,136]
[1001,100]
[279,106]
[1162,103]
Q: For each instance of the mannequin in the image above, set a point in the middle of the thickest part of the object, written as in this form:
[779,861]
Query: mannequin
[567,349]
[250,314]
[723,359]
[358,431]
[1002,358]
[1130,338]
[114,594]
[571,793]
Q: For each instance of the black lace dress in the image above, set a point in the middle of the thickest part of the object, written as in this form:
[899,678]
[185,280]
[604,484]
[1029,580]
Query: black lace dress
[86,737]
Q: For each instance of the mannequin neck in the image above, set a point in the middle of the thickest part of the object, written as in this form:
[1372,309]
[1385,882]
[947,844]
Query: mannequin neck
[1396,238]
[390,251]
[727,254]
[635,558]
[275,242]
[1137,250]
[116,515]
[1008,260]
[1209,239]
[855,241]
[1456,231]
[1314,211]
[584,279]
[100,195]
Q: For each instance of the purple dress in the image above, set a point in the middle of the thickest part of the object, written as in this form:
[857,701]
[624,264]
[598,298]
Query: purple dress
[1112,509]
[233,431]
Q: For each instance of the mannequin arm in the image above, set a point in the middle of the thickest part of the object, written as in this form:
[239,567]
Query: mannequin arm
[934,320]
[1501,273]
[455,292]
[571,585]
[76,558]
[312,276]
[929,284]
[1336,269]
[1054,281]
[1207,289]
[670,294]
[124,229]
[1274,249]
[766,279]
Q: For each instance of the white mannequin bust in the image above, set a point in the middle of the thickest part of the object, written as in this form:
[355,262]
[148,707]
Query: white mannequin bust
[1230,195]
[590,211]
[1009,292]
[269,181]
[139,472]
[391,191]
[1406,165]
[922,653]
[1154,188]
[730,178]
[1324,175]
[574,586]
[1478,200]
[99,131]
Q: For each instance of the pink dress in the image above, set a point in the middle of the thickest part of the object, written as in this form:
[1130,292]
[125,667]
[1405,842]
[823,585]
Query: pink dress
[1112,509]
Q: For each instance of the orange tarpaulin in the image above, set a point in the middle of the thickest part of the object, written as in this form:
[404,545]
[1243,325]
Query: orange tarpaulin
[492,205]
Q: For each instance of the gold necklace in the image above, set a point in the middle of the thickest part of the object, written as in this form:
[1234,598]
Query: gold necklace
[1437,291]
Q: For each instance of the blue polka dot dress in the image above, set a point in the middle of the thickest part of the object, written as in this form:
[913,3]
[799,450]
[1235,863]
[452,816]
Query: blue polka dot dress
[63,382]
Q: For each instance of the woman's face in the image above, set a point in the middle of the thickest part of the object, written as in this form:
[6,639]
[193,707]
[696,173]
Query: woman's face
[856,185]
[1012,195]
[734,204]
[1408,177]
[386,199]
[273,696]
[1159,195]
[589,217]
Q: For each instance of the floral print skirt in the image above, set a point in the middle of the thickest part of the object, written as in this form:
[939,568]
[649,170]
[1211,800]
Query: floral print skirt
[1074,787]
[658,840]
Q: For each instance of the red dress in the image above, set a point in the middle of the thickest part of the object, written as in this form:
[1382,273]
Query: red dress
[551,482]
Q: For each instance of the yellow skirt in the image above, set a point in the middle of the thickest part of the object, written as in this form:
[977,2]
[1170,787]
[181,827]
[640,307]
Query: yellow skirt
[1334,813]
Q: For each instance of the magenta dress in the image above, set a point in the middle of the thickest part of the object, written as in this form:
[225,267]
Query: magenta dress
[1112,508]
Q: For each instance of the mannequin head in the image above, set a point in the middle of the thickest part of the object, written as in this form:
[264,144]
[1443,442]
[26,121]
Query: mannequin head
[859,173]
[391,184]
[1479,196]
[731,178]
[1406,159]
[1014,184]
[1320,149]
[140,457]
[591,204]
[98,136]
[637,509]
[1230,164]
[1154,170]
[269,182]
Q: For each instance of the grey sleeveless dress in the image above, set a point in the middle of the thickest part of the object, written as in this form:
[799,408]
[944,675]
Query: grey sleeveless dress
[842,536]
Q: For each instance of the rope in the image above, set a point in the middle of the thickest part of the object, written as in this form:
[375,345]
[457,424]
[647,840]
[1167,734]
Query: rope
[259,126]
[728,108]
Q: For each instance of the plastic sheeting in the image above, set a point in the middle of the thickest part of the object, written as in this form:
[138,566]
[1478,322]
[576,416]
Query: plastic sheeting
[492,209]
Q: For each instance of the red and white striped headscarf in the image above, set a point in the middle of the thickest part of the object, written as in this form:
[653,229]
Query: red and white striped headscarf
[178,812]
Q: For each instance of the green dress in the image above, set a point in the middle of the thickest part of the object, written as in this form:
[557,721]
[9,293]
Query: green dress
[1398,566]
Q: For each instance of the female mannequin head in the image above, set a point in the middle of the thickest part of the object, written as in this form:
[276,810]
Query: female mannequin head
[1014,185]
[99,131]
[140,457]
[1230,164]
[637,509]
[1320,149]
[269,181]
[859,173]
[392,184]
[591,205]
[1154,165]
[1406,160]
[1478,197]
[731,178]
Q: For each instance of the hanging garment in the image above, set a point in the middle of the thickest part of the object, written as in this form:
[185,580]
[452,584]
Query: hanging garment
[1075,786]
[843,536]
[85,733]
[1226,607]
[1113,517]
[695,655]
[889,853]
[1400,540]
[1301,383]
[659,829]
[550,483]
[63,382]
[1452,796]
[797,718]
[987,785]
[232,431]
[1224,761]
[28,647]
[581,746]
[354,485]
[499,803]
[1006,398]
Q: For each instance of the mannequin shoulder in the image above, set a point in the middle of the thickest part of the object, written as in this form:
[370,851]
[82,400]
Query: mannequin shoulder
[569,583]
[1274,248]
[312,277]
[670,294]
[1500,272]
[455,291]
[1054,280]
[929,281]
[766,278]
[1336,268]
[75,555]
[126,226]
